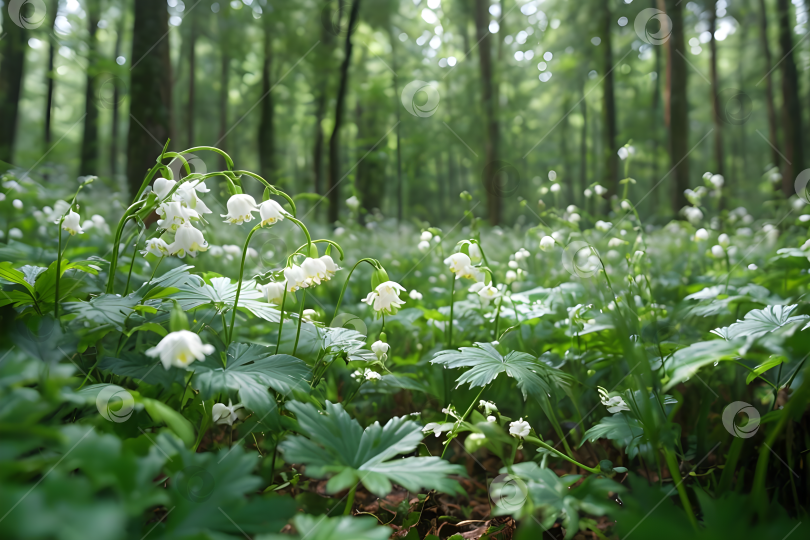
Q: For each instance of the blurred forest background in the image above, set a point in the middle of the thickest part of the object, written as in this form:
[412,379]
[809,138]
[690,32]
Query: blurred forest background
[310,94]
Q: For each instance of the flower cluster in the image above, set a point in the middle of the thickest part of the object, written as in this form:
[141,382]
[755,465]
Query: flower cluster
[312,272]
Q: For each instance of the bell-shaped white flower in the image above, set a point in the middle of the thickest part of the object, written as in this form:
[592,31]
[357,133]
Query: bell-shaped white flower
[718,252]
[724,240]
[426,236]
[588,193]
[547,243]
[72,223]
[488,406]
[187,195]
[179,349]
[511,276]
[331,267]
[240,207]
[353,203]
[626,206]
[226,414]
[474,251]
[380,348]
[603,226]
[519,428]
[274,291]
[701,234]
[187,241]
[488,293]
[385,298]
[423,246]
[296,279]
[162,187]
[459,263]
[436,428]
[614,404]
[600,190]
[415,295]
[157,247]
[174,215]
[270,212]
[314,271]
[623,153]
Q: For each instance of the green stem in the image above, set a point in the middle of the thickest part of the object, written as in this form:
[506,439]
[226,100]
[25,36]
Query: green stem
[350,501]
[58,271]
[372,262]
[131,265]
[452,302]
[538,442]
[672,465]
[452,435]
[300,318]
[281,319]
[239,284]
[155,269]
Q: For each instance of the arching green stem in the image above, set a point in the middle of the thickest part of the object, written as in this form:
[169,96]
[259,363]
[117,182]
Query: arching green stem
[321,241]
[372,262]
[128,214]
[239,283]
[228,160]
[538,442]
[300,318]
[273,190]
[281,319]
[303,228]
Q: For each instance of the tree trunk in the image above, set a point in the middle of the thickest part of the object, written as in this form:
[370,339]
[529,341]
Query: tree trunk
[150,89]
[116,120]
[566,174]
[719,165]
[678,106]
[327,38]
[766,51]
[267,150]
[88,164]
[224,76]
[334,141]
[192,78]
[611,178]
[491,184]
[397,108]
[12,62]
[654,129]
[50,75]
[792,113]
[583,147]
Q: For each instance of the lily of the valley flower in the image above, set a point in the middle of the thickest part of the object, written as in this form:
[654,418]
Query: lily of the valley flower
[614,404]
[72,223]
[718,252]
[295,277]
[161,187]
[519,428]
[415,295]
[226,414]
[701,234]
[314,271]
[353,203]
[187,194]
[331,267]
[380,348]
[174,215]
[547,243]
[436,428]
[459,264]
[240,207]
[423,246]
[488,406]
[187,241]
[475,253]
[179,349]
[274,292]
[271,212]
[157,247]
[385,298]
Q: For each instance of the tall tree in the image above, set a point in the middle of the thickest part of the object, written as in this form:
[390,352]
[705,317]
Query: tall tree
[88,163]
[116,98]
[611,177]
[678,105]
[583,144]
[224,80]
[719,165]
[321,67]
[49,74]
[150,89]
[267,162]
[192,18]
[791,110]
[488,101]
[766,53]
[333,191]
[12,62]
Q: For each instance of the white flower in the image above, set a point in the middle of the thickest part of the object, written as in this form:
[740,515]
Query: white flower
[157,247]
[372,375]
[226,414]
[522,254]
[426,236]
[615,242]
[511,276]
[380,349]
[17,203]
[273,291]
[459,263]
[423,246]
[271,212]
[353,203]
[240,207]
[724,240]
[574,218]
[488,406]
[180,349]
[296,279]
[718,252]
[162,187]
[547,243]
[314,270]
[100,223]
[175,215]
[488,293]
[435,428]
[232,250]
[513,265]
[614,404]
[623,153]
[693,215]
[385,298]
[309,314]
[519,428]
[798,204]
[588,193]
[603,226]
[491,419]
[71,223]
[331,267]
[437,239]
[600,190]
[187,241]
[626,206]
[717,180]
[415,295]
[752,266]
[554,188]
[16,233]
[3,197]
[216,251]
[474,251]
[187,195]
[702,234]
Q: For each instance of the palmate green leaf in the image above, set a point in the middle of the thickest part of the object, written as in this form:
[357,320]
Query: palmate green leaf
[222,294]
[251,369]
[348,341]
[685,362]
[141,367]
[335,528]
[104,309]
[619,427]
[532,376]
[759,322]
[332,444]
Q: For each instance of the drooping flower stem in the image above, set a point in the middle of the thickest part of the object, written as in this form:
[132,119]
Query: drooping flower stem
[372,262]
[239,283]
[58,270]
[452,435]
[300,318]
[281,320]
[452,302]
[538,442]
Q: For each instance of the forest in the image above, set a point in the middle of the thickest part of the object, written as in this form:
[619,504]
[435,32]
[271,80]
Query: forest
[417,269]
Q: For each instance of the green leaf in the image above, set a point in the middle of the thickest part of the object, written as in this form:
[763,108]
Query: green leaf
[148,327]
[334,445]
[104,309]
[762,368]
[222,294]
[335,528]
[8,273]
[685,362]
[759,322]
[160,412]
[351,342]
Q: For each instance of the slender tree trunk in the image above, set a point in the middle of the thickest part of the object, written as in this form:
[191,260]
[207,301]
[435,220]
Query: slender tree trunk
[89,152]
[488,100]
[654,129]
[50,75]
[773,134]
[398,109]
[678,106]
[327,38]
[334,141]
[224,80]
[583,147]
[791,110]
[12,62]
[150,89]
[567,172]
[719,162]
[267,144]
[611,176]
[192,78]
[116,98]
